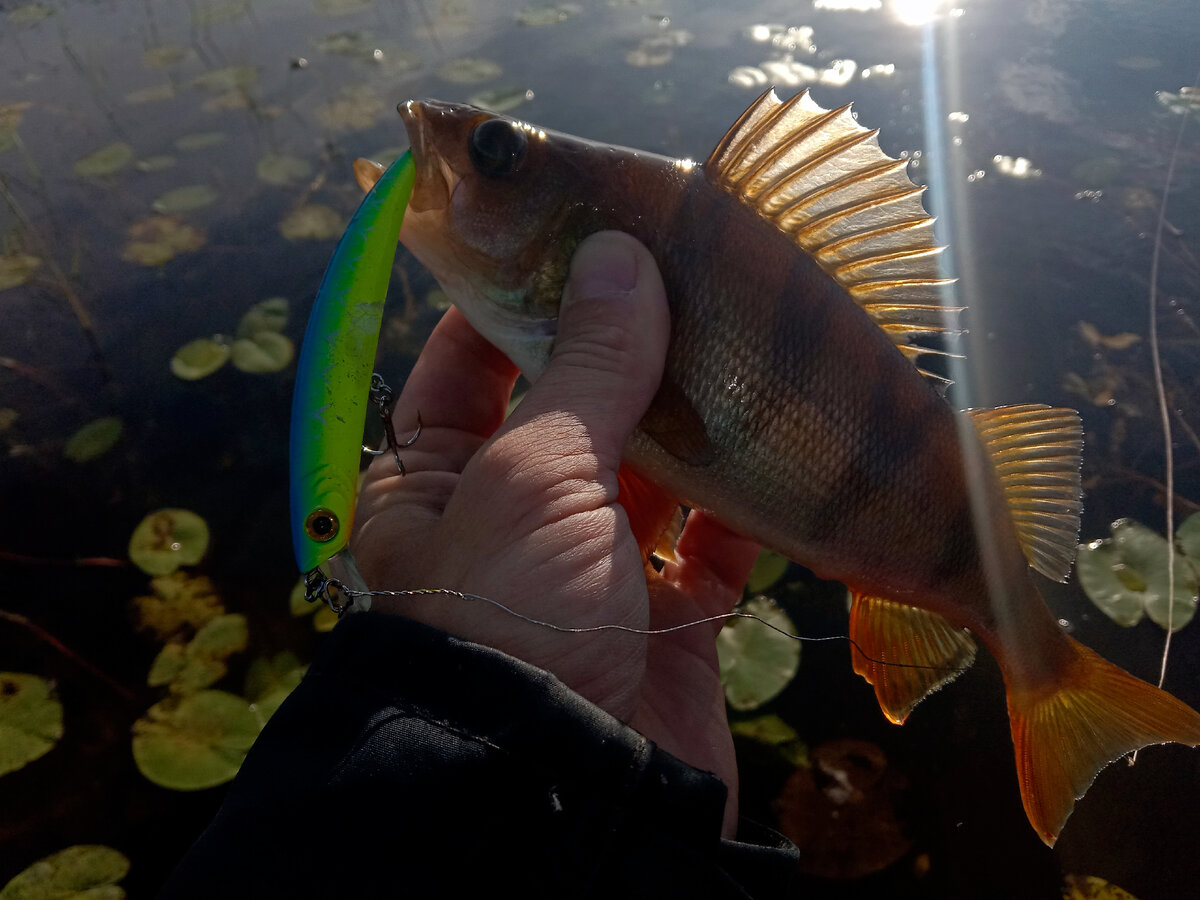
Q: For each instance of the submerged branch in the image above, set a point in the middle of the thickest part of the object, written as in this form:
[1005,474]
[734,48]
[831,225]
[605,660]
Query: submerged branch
[44,635]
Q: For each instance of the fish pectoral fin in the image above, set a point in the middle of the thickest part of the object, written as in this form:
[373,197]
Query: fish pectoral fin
[1036,450]
[367,172]
[1063,736]
[905,652]
[673,423]
[654,516]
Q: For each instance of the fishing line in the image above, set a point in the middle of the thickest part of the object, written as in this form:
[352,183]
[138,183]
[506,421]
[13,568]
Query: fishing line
[589,629]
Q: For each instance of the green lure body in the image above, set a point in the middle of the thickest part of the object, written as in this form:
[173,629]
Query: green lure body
[333,375]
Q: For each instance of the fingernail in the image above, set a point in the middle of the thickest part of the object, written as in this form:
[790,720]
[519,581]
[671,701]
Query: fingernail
[604,266]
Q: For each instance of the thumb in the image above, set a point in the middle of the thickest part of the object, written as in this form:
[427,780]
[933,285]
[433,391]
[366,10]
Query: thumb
[613,328]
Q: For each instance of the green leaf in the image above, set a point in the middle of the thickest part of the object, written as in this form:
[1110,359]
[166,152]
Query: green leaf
[465,70]
[281,169]
[107,160]
[194,741]
[168,539]
[156,240]
[1145,552]
[312,221]
[774,732]
[201,140]
[333,8]
[94,439]
[199,358]
[297,605]
[500,101]
[159,163]
[85,871]
[203,660]
[179,599]
[1098,564]
[16,268]
[228,78]
[757,662]
[164,56]
[547,15]
[268,315]
[269,681]
[1089,887]
[768,569]
[31,719]
[265,352]
[1187,537]
[184,199]
[30,13]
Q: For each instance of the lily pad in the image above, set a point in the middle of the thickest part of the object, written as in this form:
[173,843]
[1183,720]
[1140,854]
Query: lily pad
[108,160]
[268,315]
[10,120]
[1126,577]
[312,222]
[30,13]
[1187,537]
[202,660]
[153,94]
[201,140]
[94,439]
[168,539]
[757,662]
[164,56]
[16,268]
[774,732]
[282,169]
[179,600]
[1089,887]
[334,8]
[215,13]
[159,239]
[227,79]
[31,719]
[184,199]
[85,871]
[768,569]
[158,163]
[500,101]
[469,70]
[357,108]
[199,358]
[270,680]
[267,351]
[547,15]
[194,741]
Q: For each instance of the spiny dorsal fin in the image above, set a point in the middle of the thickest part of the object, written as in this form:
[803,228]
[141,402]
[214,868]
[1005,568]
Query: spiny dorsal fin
[1037,453]
[822,179]
[912,652]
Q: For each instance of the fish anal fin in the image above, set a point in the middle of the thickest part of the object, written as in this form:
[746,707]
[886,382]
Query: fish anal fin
[367,172]
[823,180]
[1064,736]
[1036,450]
[673,423]
[654,516]
[905,652]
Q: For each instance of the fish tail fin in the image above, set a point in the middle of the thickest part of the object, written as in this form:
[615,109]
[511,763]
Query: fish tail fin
[1064,736]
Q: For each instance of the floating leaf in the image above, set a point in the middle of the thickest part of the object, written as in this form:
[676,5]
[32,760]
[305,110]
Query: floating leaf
[1187,537]
[1098,565]
[547,15]
[768,569]
[157,163]
[159,239]
[85,871]
[202,660]
[312,221]
[297,605]
[202,140]
[228,78]
[356,109]
[1089,887]
[500,101]
[184,199]
[10,120]
[270,680]
[31,719]
[281,169]
[757,662]
[333,8]
[153,94]
[466,70]
[215,13]
[199,358]
[168,539]
[178,600]
[164,56]
[8,418]
[1096,338]
[267,351]
[774,732]
[194,741]
[16,269]
[346,43]
[268,315]
[108,160]
[94,439]
[30,13]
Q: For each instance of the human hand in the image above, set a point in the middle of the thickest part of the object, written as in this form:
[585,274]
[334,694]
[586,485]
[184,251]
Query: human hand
[524,511]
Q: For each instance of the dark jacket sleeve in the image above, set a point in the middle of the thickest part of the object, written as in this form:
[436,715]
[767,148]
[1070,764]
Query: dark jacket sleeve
[411,763]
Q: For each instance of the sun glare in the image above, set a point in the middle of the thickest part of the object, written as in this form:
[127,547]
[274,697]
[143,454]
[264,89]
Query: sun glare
[920,12]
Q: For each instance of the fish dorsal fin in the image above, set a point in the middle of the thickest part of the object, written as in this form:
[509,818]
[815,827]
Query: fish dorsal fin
[822,179]
[1036,450]
[905,652]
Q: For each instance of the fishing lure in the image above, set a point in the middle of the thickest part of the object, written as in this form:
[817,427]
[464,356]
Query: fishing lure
[334,384]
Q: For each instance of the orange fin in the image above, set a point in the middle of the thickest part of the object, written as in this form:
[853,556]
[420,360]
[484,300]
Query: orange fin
[1064,736]
[911,652]
[673,423]
[1036,450]
[822,179]
[654,517]
[367,172]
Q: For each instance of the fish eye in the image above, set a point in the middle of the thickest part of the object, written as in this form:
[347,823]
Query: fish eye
[497,148]
[321,525]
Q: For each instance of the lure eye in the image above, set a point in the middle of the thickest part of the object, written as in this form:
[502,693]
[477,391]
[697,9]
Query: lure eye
[497,148]
[321,525]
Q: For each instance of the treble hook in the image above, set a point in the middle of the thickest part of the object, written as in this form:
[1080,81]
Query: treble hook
[382,396]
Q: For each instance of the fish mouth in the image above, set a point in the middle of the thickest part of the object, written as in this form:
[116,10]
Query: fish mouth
[435,180]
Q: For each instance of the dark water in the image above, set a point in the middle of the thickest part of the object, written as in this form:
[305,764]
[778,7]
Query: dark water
[1068,85]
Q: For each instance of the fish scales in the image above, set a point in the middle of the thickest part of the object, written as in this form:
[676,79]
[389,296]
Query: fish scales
[799,266]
